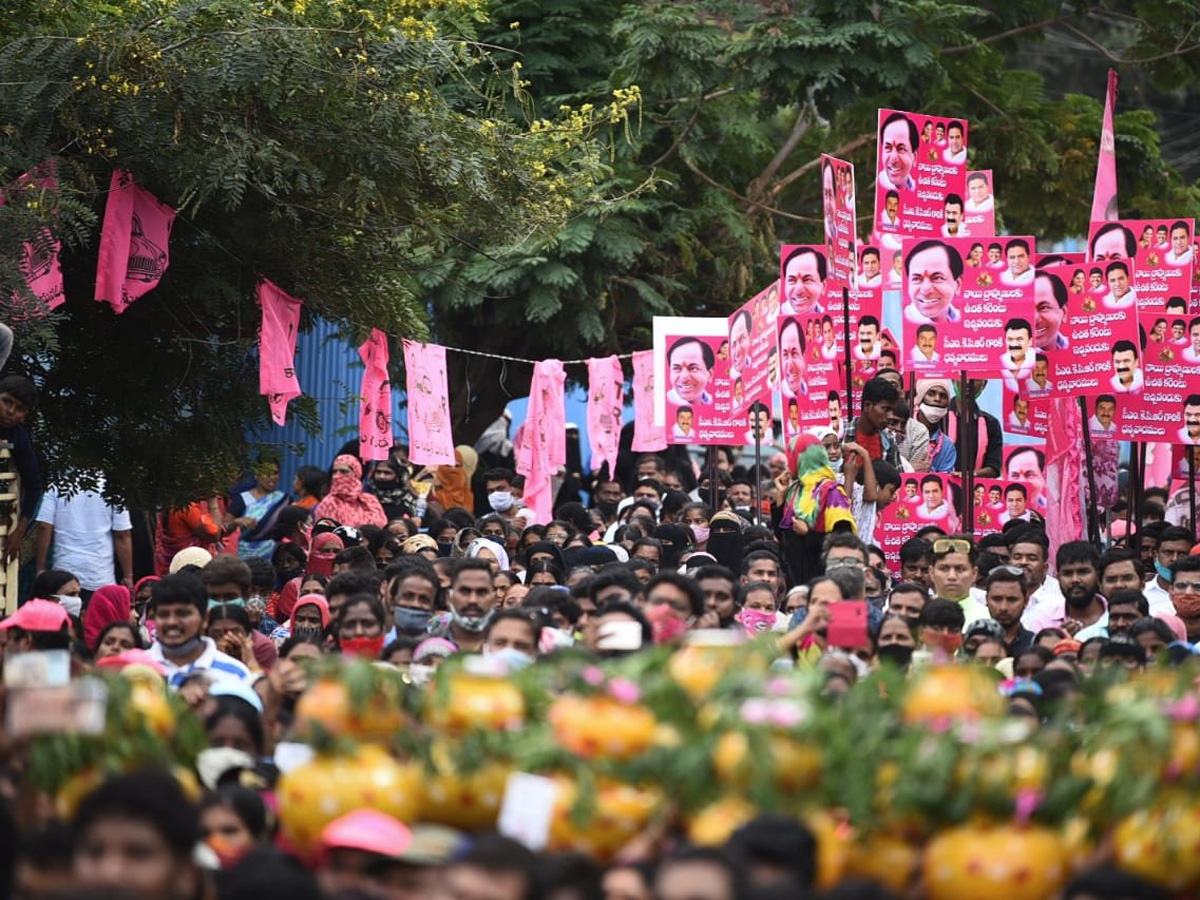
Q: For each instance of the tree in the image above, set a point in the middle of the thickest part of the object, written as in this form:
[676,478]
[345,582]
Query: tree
[336,147]
[739,99]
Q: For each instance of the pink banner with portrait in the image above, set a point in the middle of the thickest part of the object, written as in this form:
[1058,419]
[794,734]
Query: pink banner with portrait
[998,502]
[699,392]
[838,206]
[1163,259]
[1099,351]
[133,243]
[921,177]
[963,313]
[751,340]
[375,399]
[606,400]
[812,374]
[923,500]
[430,440]
[277,348]
[979,205]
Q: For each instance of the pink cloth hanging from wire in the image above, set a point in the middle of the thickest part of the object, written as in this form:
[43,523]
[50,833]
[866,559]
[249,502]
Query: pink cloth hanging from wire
[430,441]
[542,445]
[375,400]
[606,400]
[133,243]
[647,437]
[277,348]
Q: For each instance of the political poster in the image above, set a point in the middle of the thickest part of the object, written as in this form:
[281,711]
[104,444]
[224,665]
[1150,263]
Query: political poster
[812,377]
[804,281]
[1161,250]
[751,339]
[694,392]
[1099,350]
[837,202]
[964,314]
[921,177]
[923,499]
[1026,465]
[979,206]
[998,502]
[1168,407]
[1103,417]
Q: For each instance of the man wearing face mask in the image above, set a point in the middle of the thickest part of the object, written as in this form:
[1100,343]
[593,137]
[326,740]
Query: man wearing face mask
[1185,594]
[472,600]
[605,498]
[499,486]
[933,405]
[178,604]
[512,636]
[1174,543]
[413,599]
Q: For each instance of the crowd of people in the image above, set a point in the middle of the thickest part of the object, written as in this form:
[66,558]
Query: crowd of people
[412,567]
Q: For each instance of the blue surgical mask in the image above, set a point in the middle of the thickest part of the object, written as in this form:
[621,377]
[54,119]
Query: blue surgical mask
[411,621]
[512,658]
[1164,572]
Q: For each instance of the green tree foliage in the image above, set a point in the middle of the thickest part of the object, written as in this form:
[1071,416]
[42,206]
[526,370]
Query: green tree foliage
[739,99]
[336,147]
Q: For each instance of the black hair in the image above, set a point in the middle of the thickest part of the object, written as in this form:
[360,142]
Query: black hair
[913,134]
[1019,325]
[47,584]
[181,589]
[122,623]
[613,575]
[371,601]
[237,708]
[879,390]
[523,615]
[246,804]
[1130,239]
[354,581]
[944,613]
[357,557]
[778,841]
[313,481]
[152,796]
[226,569]
[232,611]
[706,352]
[1017,242]
[689,587]
[20,389]
[804,250]
[497,855]
[1074,552]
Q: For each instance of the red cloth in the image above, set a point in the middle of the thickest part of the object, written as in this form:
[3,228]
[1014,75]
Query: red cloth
[347,503]
[111,603]
[310,600]
[287,600]
[872,443]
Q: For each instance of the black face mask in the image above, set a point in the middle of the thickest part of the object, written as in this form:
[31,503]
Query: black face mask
[445,548]
[896,654]
[606,508]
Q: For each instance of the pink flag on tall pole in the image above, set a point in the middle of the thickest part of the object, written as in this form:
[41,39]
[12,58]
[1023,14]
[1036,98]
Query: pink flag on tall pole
[606,400]
[542,447]
[133,243]
[39,258]
[1104,195]
[277,348]
[375,401]
[647,437]
[430,441]
[1064,442]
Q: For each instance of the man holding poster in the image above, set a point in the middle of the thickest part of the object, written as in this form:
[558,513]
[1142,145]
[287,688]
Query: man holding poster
[933,272]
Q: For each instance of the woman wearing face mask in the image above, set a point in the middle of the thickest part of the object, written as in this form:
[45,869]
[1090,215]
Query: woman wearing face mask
[347,503]
[486,548]
[725,542]
[695,516]
[61,587]
[361,626]
[310,616]
[389,484]
[933,405]
[234,821]
[898,639]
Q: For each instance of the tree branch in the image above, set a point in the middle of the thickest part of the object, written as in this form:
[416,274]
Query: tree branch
[803,121]
[732,193]
[1003,35]
[841,152]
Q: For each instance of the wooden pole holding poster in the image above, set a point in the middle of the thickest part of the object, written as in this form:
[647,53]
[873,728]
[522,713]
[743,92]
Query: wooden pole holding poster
[1131,472]
[966,452]
[1093,517]
[849,356]
[1191,458]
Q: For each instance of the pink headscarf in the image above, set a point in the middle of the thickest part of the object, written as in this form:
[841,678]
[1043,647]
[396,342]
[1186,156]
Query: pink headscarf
[110,603]
[286,601]
[346,502]
[310,600]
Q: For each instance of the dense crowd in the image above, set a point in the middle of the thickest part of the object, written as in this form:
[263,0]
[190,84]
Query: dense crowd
[415,568]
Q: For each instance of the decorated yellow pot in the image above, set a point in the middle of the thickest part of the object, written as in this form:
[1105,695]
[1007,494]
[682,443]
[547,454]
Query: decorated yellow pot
[1162,844]
[602,727]
[622,811]
[985,861]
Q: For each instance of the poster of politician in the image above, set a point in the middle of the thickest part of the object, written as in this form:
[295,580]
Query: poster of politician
[1161,250]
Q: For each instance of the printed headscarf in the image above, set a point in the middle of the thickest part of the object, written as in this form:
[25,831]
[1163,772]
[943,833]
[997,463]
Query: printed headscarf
[347,503]
[814,496]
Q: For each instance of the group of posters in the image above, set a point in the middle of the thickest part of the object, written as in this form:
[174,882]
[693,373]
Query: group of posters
[1117,325]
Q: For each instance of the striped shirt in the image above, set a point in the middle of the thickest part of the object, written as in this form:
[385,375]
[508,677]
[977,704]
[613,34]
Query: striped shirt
[217,666]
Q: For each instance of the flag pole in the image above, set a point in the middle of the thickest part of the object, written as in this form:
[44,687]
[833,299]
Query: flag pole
[1093,518]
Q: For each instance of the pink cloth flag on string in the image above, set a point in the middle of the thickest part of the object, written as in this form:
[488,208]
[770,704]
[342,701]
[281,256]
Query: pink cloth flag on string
[39,257]
[542,446]
[375,401]
[277,348]
[430,441]
[133,243]
[647,437]
[606,400]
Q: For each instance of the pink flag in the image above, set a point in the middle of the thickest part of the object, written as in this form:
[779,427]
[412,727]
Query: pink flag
[39,259]
[1104,195]
[647,437]
[375,402]
[606,399]
[1064,443]
[133,243]
[430,441]
[277,348]
[542,447]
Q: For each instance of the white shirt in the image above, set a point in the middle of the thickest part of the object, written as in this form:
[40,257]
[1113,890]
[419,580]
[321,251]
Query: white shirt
[1046,600]
[1135,386]
[1026,277]
[1158,597]
[216,666]
[985,206]
[83,540]
[955,159]
[1181,260]
[1094,426]
[865,282]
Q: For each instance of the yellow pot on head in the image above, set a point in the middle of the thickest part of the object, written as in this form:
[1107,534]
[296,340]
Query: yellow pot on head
[984,862]
[1162,845]
[622,812]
